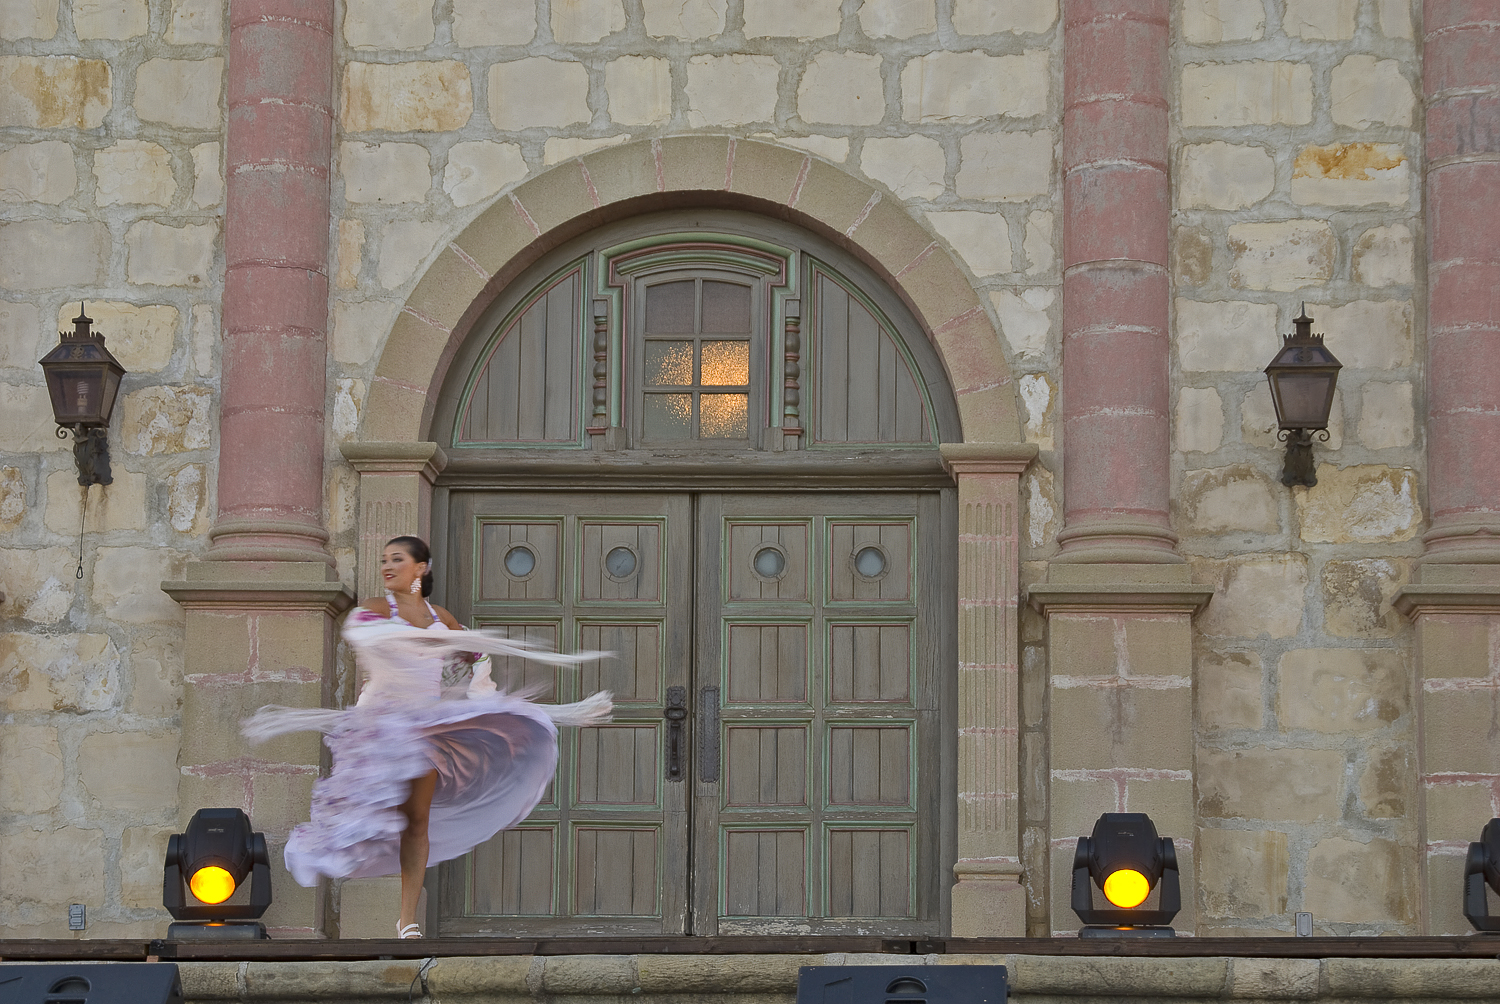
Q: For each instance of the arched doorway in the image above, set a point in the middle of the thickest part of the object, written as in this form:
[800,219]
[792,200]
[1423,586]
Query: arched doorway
[707,442]
[399,463]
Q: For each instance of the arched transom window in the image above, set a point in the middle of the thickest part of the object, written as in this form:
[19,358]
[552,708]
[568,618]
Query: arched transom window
[720,338]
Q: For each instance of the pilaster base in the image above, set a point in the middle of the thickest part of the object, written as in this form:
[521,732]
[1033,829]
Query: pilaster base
[1120,711]
[989,905]
[258,633]
[1456,609]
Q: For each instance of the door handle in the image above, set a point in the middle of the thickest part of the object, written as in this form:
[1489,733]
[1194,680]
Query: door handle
[675,715]
[708,734]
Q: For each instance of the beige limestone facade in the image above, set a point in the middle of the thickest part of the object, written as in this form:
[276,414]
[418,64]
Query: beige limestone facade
[1261,697]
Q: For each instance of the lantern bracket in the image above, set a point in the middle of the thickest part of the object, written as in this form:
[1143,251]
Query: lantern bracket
[1298,467]
[90,453]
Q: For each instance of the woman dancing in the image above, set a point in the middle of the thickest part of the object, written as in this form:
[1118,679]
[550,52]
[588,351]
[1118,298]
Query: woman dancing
[424,769]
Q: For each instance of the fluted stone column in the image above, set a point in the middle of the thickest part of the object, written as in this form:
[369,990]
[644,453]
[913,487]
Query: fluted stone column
[262,608]
[1455,600]
[989,899]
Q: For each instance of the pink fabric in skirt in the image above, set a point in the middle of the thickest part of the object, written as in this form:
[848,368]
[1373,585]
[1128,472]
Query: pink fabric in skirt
[494,753]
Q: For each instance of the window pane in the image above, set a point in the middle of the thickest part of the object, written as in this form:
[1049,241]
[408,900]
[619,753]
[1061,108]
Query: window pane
[726,364]
[669,364]
[668,416]
[726,308]
[723,416]
[669,308]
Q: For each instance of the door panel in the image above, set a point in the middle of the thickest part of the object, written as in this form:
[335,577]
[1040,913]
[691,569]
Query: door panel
[794,639]
[811,618]
[612,573]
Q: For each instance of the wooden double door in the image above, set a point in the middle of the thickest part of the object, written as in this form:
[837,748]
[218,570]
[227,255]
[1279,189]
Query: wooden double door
[775,764]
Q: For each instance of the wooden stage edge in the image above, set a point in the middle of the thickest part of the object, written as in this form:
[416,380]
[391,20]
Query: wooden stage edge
[352,950]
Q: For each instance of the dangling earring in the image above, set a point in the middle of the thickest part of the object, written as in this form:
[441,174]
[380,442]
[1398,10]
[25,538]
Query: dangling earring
[416,585]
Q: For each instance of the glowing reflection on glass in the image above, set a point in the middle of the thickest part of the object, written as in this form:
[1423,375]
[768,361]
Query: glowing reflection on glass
[726,364]
[669,364]
[723,416]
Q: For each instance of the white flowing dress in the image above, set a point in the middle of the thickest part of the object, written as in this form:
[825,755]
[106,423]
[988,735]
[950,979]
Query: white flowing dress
[494,752]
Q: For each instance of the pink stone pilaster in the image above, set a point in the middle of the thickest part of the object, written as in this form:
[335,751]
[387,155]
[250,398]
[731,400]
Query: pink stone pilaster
[279,148]
[1461,83]
[1116,215]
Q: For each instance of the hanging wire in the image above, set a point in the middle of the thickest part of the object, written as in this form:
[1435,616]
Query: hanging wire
[82,520]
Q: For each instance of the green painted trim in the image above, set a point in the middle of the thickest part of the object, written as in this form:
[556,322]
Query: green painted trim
[913,598]
[810,873]
[581,347]
[477,544]
[739,620]
[580,522]
[661,846]
[914,914]
[810,369]
[731,521]
[909,621]
[659,624]
[550,826]
[722,255]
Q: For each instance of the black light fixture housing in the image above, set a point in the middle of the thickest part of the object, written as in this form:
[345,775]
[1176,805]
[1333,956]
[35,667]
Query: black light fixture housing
[1126,861]
[83,379]
[212,858]
[1303,377]
[1482,868]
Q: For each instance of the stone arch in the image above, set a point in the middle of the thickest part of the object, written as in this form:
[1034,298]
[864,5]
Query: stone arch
[398,465]
[684,172]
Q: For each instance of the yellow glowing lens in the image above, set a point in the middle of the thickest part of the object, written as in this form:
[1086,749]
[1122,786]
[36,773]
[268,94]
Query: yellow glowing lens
[1126,888]
[211,884]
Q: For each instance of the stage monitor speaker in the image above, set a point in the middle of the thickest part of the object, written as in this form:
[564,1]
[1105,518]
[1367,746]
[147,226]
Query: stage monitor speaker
[898,984]
[90,983]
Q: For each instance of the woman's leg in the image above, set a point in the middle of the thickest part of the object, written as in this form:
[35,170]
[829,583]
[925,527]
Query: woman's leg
[414,845]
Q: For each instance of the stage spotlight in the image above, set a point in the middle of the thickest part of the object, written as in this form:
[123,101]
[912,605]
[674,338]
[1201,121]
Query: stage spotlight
[213,858]
[1127,861]
[1483,869]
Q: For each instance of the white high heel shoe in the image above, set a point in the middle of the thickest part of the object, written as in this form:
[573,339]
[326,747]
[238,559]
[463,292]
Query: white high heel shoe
[412,930]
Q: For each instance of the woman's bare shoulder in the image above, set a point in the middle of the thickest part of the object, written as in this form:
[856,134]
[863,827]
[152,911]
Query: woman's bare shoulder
[447,618]
[378,607]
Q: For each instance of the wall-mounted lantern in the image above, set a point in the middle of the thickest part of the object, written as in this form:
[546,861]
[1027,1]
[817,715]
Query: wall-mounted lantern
[83,379]
[1303,376]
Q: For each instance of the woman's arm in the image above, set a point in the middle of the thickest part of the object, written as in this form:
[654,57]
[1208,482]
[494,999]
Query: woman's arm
[481,682]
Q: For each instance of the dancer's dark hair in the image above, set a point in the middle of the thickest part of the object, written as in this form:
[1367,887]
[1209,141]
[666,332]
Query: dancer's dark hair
[420,552]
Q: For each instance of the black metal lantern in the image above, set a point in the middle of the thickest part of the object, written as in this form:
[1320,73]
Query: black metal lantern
[1127,862]
[213,857]
[83,379]
[1303,377]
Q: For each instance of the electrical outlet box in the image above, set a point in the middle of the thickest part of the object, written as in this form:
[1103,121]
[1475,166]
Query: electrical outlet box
[78,916]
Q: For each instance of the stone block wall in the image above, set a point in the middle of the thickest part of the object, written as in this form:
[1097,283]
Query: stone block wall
[111,193]
[1298,172]
[948,108]
[1296,176]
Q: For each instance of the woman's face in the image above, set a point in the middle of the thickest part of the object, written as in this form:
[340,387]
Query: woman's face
[399,569]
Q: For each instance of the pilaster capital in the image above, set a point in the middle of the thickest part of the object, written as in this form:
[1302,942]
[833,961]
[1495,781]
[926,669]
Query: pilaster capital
[987,458]
[426,459]
[240,586]
[1047,598]
[1419,599]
